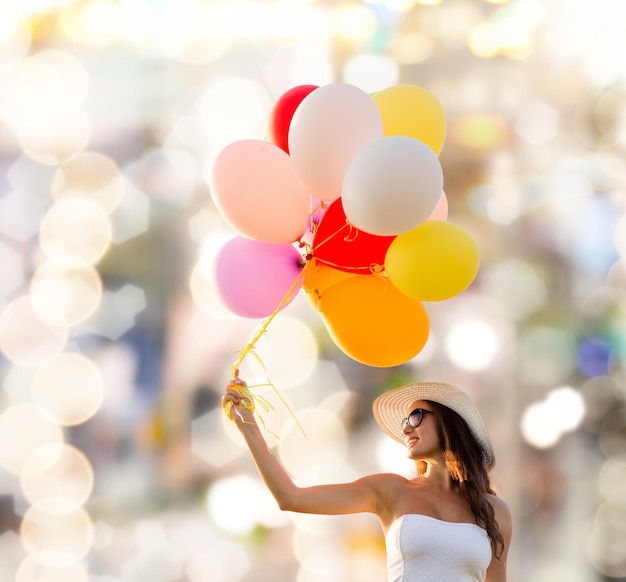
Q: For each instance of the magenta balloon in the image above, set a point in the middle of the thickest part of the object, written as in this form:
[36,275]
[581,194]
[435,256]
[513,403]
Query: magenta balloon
[256,188]
[252,277]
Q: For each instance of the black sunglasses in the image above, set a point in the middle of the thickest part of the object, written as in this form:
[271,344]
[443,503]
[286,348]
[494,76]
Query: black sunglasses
[415,417]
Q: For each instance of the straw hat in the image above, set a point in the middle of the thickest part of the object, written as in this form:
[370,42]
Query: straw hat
[391,407]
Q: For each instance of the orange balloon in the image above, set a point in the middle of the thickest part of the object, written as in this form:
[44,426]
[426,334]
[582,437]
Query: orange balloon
[319,277]
[374,323]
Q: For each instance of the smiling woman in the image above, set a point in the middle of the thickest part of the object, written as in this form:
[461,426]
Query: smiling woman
[446,523]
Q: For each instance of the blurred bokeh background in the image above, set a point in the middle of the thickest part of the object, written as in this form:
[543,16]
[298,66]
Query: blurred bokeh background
[116,461]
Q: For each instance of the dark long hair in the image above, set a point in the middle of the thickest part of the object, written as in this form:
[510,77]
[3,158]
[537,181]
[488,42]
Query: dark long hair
[464,459]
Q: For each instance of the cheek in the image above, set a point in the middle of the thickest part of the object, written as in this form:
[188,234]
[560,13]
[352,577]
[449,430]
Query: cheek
[431,435]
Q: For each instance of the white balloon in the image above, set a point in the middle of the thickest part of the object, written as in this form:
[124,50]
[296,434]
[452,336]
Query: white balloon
[392,185]
[329,127]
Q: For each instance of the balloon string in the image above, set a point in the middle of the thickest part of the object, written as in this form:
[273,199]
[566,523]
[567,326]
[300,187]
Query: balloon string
[353,233]
[347,238]
[246,350]
[311,223]
[249,350]
[351,236]
[374,268]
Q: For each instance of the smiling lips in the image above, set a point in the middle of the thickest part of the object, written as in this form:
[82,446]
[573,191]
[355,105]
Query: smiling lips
[410,442]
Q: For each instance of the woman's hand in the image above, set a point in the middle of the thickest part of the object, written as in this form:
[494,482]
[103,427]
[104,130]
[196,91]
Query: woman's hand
[236,404]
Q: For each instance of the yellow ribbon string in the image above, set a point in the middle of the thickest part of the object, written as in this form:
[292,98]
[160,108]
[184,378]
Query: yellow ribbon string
[249,400]
[311,224]
[351,236]
[353,233]
[249,350]
[334,234]
[373,268]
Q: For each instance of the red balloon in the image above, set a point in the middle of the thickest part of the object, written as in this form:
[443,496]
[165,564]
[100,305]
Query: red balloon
[341,245]
[282,112]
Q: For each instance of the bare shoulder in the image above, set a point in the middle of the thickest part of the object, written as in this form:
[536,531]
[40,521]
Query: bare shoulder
[389,488]
[500,506]
[502,513]
[386,482]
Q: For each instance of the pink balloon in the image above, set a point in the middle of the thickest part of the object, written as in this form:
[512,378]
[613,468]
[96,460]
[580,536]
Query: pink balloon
[441,211]
[256,188]
[252,278]
[328,128]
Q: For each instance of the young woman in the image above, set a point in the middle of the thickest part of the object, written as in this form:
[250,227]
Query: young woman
[444,525]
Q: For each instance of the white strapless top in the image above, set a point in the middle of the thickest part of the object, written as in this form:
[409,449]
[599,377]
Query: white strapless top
[426,549]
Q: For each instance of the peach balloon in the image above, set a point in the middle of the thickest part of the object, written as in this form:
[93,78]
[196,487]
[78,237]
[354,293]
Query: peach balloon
[256,188]
[374,323]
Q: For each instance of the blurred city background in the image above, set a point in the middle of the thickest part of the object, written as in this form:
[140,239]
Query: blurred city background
[116,460]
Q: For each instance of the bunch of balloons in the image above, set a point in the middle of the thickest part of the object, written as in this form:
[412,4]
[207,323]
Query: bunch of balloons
[345,200]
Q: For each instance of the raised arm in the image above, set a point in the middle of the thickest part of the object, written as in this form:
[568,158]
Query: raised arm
[363,495]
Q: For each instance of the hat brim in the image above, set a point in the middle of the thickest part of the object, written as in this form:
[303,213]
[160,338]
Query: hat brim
[390,408]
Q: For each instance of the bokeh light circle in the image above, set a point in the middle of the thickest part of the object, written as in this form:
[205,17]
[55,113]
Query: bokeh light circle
[23,429]
[57,471]
[97,23]
[92,175]
[64,296]
[325,444]
[204,293]
[472,344]
[15,36]
[605,547]
[73,74]
[612,432]
[31,570]
[289,348]
[69,389]
[25,338]
[254,504]
[538,428]
[75,233]
[53,141]
[30,93]
[56,533]
[612,477]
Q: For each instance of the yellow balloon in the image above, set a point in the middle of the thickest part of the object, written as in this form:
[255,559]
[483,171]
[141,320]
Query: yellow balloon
[435,261]
[318,277]
[374,323]
[412,111]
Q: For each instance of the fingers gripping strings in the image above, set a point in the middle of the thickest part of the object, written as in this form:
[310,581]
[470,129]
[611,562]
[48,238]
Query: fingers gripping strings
[247,400]
[250,401]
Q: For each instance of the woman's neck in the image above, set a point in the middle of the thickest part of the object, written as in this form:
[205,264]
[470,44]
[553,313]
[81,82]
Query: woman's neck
[437,475]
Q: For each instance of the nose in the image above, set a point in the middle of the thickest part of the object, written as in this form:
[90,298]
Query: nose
[407,428]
